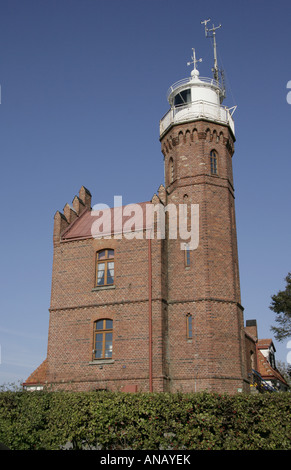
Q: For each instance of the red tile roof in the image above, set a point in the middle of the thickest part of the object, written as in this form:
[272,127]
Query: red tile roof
[38,376]
[266,371]
[265,343]
[88,225]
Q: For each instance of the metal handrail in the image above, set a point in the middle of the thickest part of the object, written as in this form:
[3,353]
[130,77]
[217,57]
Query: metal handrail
[263,382]
[201,103]
[196,110]
[184,81]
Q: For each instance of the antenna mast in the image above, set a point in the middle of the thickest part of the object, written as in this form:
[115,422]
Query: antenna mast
[210,33]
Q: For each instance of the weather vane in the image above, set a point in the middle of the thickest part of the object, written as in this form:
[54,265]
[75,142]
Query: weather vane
[194,60]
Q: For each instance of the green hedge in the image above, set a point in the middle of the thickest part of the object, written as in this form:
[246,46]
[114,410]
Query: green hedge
[105,420]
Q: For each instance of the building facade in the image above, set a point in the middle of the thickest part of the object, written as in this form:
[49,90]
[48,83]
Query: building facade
[152,301]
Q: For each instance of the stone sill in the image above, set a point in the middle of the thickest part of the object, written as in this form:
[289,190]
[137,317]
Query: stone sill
[95,289]
[100,362]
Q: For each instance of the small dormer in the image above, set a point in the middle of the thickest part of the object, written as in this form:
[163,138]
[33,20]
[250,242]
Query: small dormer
[267,348]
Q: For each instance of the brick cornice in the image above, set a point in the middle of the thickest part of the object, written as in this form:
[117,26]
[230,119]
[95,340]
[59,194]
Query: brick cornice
[156,299]
[201,179]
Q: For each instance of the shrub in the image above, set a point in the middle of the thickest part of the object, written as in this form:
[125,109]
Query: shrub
[143,421]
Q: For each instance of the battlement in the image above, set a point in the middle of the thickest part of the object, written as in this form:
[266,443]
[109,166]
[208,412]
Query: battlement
[62,220]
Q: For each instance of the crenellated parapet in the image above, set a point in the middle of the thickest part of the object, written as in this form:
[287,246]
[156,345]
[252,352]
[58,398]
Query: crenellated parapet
[63,220]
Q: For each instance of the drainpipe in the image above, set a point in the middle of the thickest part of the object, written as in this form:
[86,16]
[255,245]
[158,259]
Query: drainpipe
[150,314]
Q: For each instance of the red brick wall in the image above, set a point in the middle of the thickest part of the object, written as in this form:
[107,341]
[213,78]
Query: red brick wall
[75,306]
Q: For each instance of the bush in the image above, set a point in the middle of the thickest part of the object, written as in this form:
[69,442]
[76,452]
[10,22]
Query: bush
[142,421]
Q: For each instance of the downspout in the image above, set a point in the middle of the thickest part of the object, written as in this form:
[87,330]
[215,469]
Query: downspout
[150,314]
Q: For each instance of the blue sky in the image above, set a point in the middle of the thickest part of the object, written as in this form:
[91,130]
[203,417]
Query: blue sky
[83,87]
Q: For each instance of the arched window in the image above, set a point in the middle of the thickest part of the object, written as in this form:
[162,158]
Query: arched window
[103,334]
[171,170]
[213,162]
[105,267]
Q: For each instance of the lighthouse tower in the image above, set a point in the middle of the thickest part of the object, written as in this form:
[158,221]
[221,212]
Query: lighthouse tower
[156,313]
[197,140]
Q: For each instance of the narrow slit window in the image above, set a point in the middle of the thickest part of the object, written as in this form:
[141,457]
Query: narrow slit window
[189,326]
[171,170]
[187,256]
[213,162]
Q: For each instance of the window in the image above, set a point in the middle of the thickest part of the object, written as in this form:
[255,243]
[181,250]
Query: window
[213,162]
[187,256]
[104,268]
[103,333]
[171,171]
[272,359]
[189,326]
[183,97]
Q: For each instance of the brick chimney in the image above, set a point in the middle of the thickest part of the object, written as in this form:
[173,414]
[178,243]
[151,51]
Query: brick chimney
[251,328]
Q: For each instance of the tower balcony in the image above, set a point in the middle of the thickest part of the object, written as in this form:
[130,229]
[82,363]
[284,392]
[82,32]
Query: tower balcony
[196,110]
